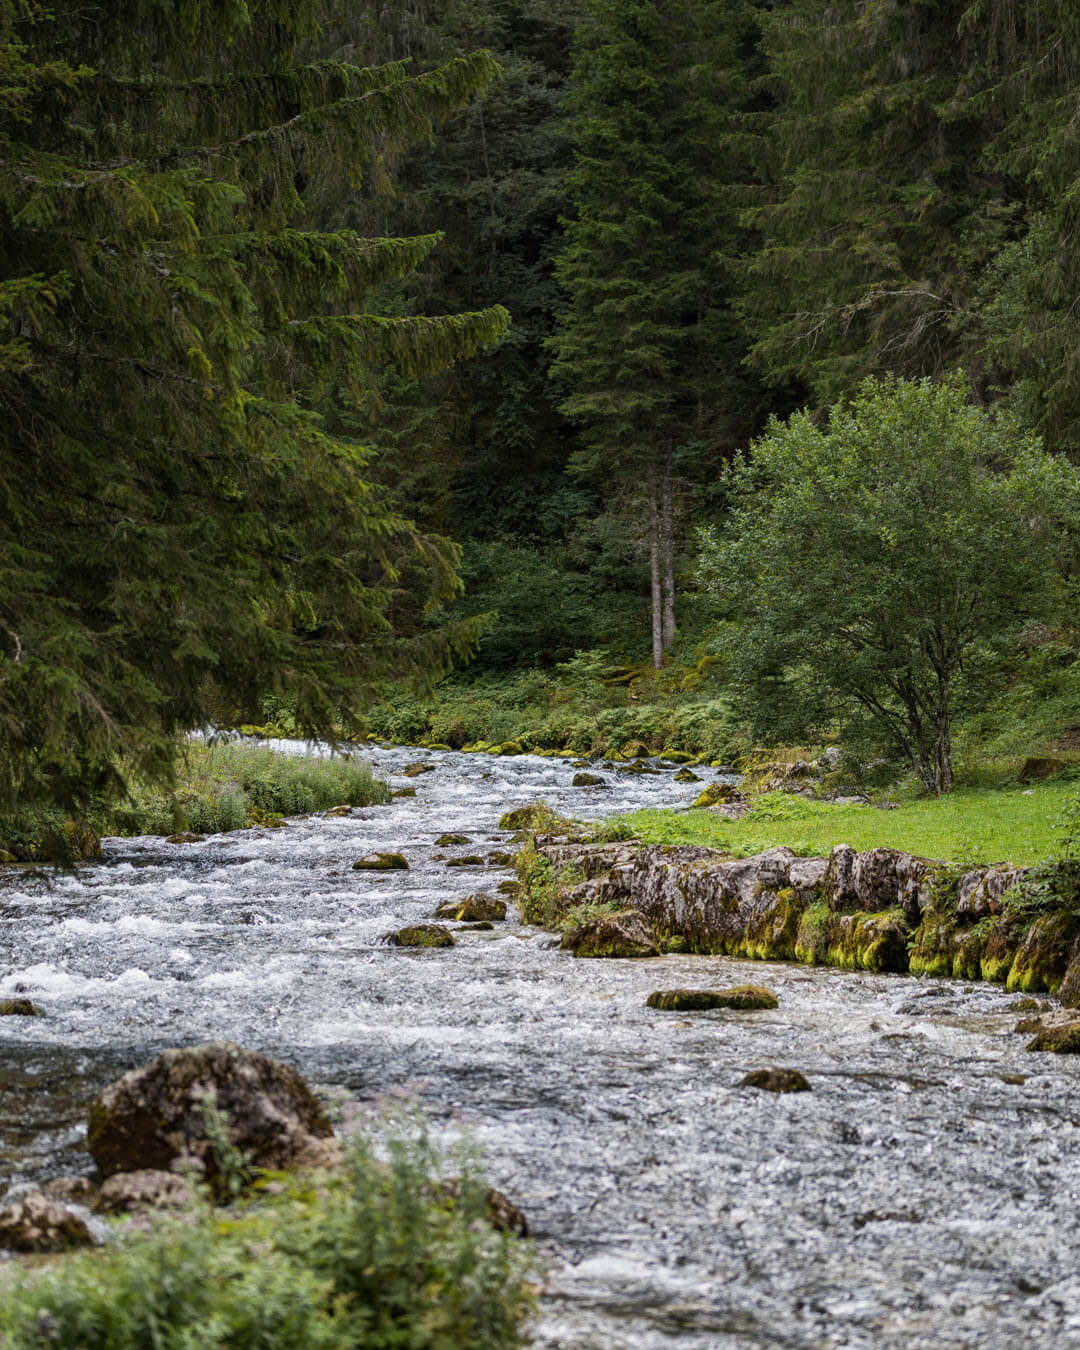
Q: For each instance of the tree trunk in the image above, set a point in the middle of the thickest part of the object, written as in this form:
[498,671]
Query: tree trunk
[667,553]
[654,565]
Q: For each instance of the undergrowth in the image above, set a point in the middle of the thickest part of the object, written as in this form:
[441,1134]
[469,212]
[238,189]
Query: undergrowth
[378,1256]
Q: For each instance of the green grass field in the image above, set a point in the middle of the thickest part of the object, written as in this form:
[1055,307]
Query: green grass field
[1017,825]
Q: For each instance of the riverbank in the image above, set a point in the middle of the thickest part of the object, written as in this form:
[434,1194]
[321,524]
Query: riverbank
[220,787]
[878,910]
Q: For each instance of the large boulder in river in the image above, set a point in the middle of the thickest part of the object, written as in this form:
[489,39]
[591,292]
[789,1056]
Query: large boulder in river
[155,1117]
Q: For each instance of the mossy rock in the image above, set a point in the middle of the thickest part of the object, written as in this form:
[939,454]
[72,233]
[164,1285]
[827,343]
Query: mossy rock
[744,998]
[184,837]
[686,776]
[932,953]
[381,862]
[19,1007]
[508,887]
[6,857]
[814,935]
[1031,1005]
[776,1080]
[509,748]
[639,769]
[588,780]
[479,908]
[717,794]
[622,934]
[1060,1040]
[581,763]
[423,935]
[636,750]
[616,757]
[499,858]
[1043,956]
[475,747]
[336,812]
[404,792]
[415,770]
[484,926]
[438,745]
[877,942]
[676,756]
[452,840]
[674,945]
[772,930]
[521,818]
[469,860]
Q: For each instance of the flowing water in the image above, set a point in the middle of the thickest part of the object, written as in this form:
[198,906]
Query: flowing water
[919,1196]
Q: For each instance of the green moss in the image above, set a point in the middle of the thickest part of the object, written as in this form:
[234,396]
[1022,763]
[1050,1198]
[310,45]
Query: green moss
[745,998]
[812,939]
[452,840]
[876,942]
[1058,1040]
[932,950]
[772,930]
[381,862]
[1043,956]
[424,935]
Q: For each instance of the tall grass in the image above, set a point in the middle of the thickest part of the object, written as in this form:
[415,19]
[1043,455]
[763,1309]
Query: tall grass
[226,785]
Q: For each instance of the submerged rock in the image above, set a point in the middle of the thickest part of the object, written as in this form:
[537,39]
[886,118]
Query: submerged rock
[452,840]
[621,934]
[776,1080]
[468,860]
[415,770]
[404,792]
[19,1007]
[423,935]
[155,1116]
[381,862]
[746,997]
[184,837]
[148,1188]
[34,1223]
[478,908]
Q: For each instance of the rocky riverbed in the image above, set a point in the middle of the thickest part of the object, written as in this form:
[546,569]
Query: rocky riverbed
[922,1193]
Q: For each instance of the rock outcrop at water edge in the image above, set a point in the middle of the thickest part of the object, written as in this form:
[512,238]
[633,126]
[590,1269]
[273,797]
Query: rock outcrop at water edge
[878,910]
[35,1223]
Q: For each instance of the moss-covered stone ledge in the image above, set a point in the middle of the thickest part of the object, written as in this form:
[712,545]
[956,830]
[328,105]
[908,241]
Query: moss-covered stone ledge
[882,910]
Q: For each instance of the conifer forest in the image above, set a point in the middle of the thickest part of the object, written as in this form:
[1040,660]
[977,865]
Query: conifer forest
[641,393]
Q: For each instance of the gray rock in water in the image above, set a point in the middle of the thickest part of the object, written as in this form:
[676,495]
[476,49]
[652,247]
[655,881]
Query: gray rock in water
[35,1223]
[155,1116]
[776,1080]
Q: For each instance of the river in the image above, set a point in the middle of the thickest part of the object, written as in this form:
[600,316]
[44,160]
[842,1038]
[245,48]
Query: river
[914,1198]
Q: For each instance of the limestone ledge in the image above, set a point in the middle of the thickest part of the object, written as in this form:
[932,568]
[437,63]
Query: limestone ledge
[882,910]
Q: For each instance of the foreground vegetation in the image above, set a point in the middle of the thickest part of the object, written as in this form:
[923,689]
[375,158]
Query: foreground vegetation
[219,786]
[379,1257]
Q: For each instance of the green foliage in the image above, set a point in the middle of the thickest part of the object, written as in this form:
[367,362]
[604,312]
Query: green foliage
[871,561]
[177,513]
[378,1258]
[540,896]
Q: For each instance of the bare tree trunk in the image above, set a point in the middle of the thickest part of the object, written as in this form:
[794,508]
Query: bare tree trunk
[654,565]
[667,553]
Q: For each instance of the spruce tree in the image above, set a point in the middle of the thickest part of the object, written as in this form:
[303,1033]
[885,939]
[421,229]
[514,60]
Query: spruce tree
[179,524]
[647,351]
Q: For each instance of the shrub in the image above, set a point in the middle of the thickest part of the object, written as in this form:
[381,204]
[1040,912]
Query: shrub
[379,1256]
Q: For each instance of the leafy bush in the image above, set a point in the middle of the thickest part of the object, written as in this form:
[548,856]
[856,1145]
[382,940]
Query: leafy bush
[377,1257]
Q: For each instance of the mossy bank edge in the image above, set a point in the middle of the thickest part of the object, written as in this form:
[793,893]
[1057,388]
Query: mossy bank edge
[881,910]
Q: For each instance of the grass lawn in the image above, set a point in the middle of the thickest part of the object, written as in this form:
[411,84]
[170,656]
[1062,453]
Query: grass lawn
[1017,825]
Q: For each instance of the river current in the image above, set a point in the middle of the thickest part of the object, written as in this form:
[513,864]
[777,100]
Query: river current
[925,1193]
